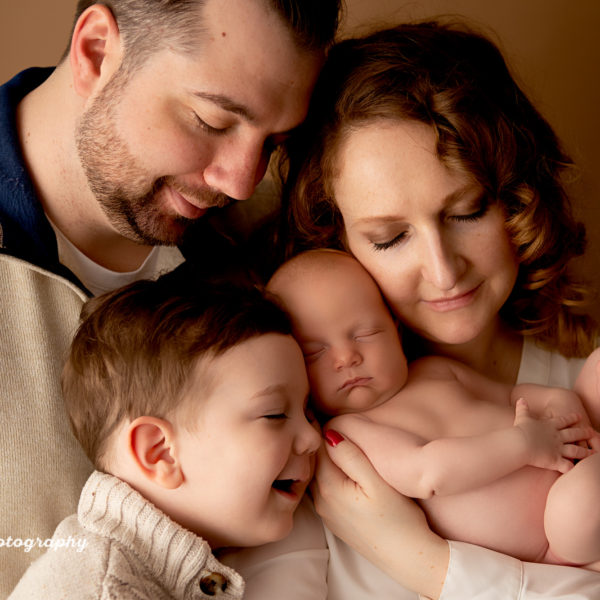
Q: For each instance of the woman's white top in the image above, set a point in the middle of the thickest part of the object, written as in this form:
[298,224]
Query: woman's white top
[297,569]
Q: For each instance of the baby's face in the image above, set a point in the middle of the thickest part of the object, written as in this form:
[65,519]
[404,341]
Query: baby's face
[351,347]
[251,455]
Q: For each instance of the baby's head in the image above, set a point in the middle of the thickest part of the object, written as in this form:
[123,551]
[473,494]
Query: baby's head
[350,342]
[196,398]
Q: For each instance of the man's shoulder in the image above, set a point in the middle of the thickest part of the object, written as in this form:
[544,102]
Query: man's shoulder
[24,229]
[24,82]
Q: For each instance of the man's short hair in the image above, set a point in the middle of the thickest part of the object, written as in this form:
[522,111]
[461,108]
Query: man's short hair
[136,348]
[147,25]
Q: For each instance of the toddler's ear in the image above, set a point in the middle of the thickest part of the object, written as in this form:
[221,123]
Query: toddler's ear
[151,443]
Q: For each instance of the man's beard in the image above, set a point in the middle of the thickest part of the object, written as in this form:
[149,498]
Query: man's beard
[128,195]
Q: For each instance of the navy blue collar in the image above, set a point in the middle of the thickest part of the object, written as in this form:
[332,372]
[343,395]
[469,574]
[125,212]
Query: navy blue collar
[26,232]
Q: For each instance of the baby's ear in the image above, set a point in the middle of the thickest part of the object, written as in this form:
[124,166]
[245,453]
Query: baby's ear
[152,447]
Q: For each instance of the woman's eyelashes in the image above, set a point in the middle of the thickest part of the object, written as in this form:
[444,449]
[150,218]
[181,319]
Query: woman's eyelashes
[468,217]
[391,243]
[474,215]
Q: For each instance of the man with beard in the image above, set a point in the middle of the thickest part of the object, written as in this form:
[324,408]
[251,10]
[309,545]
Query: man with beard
[159,111]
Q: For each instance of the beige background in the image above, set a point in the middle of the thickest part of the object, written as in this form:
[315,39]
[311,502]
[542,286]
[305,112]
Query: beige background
[551,44]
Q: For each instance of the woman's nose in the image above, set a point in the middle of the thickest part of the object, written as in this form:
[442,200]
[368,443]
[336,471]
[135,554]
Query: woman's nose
[441,264]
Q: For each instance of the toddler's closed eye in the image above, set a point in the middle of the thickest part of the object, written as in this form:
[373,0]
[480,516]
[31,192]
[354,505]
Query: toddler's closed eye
[276,416]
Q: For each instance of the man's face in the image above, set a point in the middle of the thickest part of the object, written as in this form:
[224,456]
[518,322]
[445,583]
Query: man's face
[186,132]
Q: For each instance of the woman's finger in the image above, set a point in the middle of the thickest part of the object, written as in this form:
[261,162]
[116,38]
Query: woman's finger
[350,459]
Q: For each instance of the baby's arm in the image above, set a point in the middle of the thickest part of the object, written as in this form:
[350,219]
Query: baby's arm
[548,401]
[543,401]
[421,469]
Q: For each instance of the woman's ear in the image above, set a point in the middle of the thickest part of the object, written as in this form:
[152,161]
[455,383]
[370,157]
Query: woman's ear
[95,46]
[152,447]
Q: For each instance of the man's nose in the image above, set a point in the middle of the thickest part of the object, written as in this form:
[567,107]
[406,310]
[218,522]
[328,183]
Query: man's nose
[237,170]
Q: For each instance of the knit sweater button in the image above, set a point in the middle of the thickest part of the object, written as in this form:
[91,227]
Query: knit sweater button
[212,583]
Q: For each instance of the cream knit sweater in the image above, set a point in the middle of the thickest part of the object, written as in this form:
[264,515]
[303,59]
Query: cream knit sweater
[119,545]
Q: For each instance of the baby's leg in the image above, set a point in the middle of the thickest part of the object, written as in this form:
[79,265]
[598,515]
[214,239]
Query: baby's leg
[587,386]
[572,515]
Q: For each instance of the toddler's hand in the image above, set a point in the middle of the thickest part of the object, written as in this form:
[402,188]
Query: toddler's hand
[552,441]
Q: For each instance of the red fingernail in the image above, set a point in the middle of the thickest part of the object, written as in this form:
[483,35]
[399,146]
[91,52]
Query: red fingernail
[333,438]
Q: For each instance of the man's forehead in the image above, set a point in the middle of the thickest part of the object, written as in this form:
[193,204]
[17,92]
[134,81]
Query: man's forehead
[249,63]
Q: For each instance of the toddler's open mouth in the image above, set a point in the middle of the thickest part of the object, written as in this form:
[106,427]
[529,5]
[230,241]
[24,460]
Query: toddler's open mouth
[292,489]
[285,485]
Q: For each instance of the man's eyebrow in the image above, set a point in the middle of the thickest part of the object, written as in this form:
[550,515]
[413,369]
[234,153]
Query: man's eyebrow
[227,104]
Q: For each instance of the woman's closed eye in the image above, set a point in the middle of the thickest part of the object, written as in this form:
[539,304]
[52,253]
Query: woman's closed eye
[474,215]
[386,245]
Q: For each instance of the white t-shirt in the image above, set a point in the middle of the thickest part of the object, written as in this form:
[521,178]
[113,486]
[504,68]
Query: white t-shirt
[98,279]
[296,566]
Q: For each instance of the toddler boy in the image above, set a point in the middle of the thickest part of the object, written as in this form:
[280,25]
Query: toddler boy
[190,403]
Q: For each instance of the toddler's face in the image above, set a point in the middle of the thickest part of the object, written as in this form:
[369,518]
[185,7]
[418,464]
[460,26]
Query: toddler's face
[351,347]
[251,455]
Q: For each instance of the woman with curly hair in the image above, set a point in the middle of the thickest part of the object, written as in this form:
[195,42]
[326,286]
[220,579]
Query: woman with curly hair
[424,159]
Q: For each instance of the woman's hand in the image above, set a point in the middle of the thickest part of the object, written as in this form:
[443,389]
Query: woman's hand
[385,527]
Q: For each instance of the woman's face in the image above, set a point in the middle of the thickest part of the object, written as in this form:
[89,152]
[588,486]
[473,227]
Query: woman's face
[429,236]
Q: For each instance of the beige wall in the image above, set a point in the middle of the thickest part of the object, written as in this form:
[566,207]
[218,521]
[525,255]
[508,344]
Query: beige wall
[551,44]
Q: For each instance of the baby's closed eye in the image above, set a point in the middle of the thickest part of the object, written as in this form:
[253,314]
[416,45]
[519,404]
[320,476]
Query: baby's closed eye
[312,351]
[366,334]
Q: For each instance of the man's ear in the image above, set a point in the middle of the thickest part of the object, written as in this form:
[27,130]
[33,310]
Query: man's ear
[152,447]
[95,48]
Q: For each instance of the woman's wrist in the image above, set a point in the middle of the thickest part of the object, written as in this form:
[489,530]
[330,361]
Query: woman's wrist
[423,564]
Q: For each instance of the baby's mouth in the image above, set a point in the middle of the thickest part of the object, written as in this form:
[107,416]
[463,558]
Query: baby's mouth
[354,382]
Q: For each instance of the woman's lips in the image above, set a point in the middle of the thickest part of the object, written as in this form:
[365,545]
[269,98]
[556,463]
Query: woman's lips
[453,302]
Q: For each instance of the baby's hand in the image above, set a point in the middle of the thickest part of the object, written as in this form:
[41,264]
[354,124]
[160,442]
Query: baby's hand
[552,441]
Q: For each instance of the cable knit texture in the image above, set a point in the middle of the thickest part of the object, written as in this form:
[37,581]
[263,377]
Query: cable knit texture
[119,545]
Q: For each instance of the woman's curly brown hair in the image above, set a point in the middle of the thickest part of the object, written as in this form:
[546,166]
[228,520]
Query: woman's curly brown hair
[456,81]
